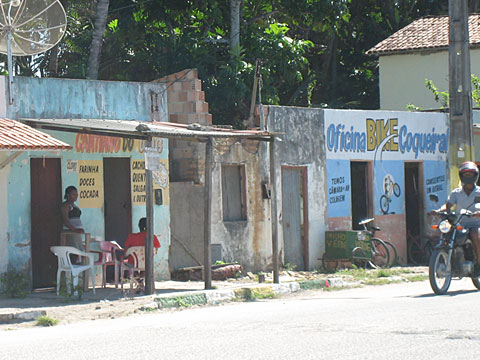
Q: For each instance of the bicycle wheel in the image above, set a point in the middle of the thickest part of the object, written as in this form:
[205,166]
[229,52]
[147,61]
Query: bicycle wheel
[358,258]
[380,254]
[392,250]
[418,254]
[396,189]
[384,204]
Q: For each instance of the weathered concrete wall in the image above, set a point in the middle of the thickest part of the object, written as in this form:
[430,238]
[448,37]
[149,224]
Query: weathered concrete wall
[246,241]
[65,98]
[59,98]
[303,143]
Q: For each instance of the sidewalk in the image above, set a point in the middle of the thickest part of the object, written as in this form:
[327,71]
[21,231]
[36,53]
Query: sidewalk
[112,303]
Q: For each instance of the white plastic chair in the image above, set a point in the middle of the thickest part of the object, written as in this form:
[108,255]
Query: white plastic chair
[65,264]
[137,253]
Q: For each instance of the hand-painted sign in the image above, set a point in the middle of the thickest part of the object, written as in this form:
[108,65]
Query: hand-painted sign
[87,143]
[394,135]
[160,180]
[90,183]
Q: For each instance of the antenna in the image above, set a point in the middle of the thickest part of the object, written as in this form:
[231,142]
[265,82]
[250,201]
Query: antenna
[29,27]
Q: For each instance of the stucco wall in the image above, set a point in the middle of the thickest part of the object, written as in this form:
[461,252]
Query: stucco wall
[302,142]
[402,78]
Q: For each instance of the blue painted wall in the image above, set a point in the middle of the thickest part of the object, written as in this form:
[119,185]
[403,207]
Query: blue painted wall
[58,98]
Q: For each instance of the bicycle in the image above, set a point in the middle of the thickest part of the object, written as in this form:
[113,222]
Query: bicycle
[392,250]
[380,252]
[419,249]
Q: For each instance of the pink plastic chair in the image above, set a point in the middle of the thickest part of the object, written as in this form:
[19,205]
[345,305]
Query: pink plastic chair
[106,257]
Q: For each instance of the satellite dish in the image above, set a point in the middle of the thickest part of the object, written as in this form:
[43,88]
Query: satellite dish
[29,27]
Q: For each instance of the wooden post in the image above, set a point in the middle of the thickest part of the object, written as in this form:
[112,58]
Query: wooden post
[207,233]
[274,216]
[149,275]
[461,124]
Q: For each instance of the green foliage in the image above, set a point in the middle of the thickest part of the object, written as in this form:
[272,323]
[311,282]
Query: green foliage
[312,52]
[45,320]
[443,97]
[289,267]
[15,284]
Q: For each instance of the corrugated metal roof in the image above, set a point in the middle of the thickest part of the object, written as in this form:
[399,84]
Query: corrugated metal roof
[17,136]
[144,129]
[427,33]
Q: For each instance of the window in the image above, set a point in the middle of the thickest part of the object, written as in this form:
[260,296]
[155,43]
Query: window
[233,193]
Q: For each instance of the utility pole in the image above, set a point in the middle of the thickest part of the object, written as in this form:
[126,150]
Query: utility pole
[461,124]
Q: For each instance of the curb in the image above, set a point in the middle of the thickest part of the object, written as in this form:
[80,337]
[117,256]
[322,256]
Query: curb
[264,291]
[21,316]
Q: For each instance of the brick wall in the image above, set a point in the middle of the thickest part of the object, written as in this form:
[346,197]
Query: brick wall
[186,105]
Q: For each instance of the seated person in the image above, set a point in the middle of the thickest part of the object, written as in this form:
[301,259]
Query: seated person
[138,239]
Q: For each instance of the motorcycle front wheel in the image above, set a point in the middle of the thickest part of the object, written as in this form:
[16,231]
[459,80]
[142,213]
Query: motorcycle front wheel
[476,282]
[440,277]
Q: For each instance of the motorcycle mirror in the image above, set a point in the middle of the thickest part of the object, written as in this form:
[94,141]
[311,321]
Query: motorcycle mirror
[434,198]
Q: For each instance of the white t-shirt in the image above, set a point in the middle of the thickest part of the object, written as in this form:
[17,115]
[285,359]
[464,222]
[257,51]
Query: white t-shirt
[461,200]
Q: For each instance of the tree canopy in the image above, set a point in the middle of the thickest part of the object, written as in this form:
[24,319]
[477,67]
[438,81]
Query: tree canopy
[312,51]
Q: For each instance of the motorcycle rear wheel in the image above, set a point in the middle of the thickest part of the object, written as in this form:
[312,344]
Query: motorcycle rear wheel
[438,275]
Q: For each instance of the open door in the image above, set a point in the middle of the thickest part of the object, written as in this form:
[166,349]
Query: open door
[46,199]
[361,192]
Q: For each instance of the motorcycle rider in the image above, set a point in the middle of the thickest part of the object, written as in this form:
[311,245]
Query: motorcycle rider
[465,197]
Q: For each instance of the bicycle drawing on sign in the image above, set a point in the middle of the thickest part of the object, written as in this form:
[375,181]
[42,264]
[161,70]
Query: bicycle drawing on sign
[390,188]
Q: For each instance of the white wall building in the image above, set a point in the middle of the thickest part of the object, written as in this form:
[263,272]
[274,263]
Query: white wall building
[417,52]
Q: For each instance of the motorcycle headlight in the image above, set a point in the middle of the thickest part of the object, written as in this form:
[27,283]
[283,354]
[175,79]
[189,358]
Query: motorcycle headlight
[444,226]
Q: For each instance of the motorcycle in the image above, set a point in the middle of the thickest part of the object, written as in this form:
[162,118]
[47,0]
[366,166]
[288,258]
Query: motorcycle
[453,256]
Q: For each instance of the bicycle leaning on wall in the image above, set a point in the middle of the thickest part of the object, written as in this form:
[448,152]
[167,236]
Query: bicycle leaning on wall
[380,253]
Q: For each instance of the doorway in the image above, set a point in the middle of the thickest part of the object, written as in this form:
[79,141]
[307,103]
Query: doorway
[361,193]
[46,199]
[413,199]
[295,216]
[117,199]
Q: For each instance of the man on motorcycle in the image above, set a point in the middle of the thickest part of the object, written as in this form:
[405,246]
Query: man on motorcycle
[465,197]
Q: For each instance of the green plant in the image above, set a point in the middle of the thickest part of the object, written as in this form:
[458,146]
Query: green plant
[289,267]
[45,320]
[15,283]
[68,295]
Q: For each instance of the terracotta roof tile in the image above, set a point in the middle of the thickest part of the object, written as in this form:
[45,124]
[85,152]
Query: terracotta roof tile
[425,33]
[17,136]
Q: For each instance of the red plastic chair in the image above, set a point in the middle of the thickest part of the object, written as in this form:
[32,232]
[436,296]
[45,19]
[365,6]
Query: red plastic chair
[106,257]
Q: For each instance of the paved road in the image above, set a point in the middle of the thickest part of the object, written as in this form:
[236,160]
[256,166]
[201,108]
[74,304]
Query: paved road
[401,321]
